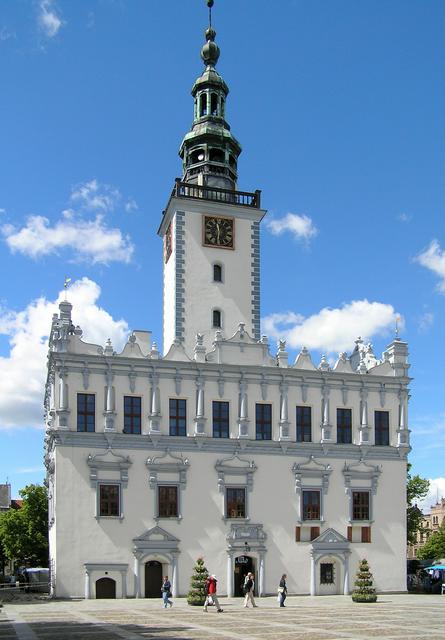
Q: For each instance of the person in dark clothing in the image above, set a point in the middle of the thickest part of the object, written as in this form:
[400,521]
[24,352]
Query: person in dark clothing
[282,590]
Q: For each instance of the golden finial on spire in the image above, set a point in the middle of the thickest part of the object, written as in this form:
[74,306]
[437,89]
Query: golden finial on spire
[66,284]
[398,318]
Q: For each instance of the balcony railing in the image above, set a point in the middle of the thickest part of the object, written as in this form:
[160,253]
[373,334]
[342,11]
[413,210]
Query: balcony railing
[205,192]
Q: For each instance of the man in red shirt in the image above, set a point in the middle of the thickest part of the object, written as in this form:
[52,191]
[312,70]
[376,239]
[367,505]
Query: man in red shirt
[210,590]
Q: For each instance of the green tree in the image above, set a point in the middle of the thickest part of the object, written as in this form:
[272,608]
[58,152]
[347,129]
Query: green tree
[24,532]
[197,595]
[364,590]
[416,489]
[434,547]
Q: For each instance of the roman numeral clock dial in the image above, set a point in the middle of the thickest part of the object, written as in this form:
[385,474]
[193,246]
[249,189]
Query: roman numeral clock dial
[218,232]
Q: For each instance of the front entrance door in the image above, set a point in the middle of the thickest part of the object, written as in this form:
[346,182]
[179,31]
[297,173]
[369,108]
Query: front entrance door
[243,566]
[153,579]
[105,588]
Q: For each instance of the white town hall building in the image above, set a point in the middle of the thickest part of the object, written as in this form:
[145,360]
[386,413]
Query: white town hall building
[220,448]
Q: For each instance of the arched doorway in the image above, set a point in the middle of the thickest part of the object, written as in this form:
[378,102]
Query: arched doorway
[105,588]
[243,566]
[153,579]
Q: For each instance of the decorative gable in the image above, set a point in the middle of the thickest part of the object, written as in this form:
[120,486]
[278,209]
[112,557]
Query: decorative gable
[110,461]
[235,466]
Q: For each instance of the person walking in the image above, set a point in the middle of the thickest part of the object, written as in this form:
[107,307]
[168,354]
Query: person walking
[249,587]
[282,590]
[210,590]
[166,590]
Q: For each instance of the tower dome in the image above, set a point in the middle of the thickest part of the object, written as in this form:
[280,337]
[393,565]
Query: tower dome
[210,151]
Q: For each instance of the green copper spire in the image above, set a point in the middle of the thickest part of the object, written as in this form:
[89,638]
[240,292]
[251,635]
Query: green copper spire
[209,151]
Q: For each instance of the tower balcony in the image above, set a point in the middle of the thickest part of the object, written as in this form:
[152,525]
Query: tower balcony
[215,194]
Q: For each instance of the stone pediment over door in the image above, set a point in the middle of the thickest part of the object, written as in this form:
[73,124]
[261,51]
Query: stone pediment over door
[156,537]
[330,540]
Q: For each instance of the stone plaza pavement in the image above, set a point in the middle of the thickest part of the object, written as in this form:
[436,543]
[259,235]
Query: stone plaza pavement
[405,616]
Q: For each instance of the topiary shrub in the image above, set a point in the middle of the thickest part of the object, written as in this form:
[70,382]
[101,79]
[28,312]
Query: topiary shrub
[364,590]
[196,596]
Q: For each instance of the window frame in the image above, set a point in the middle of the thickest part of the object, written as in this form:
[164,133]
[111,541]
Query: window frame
[168,485]
[331,571]
[235,487]
[107,483]
[380,431]
[86,413]
[220,315]
[177,416]
[301,430]
[353,517]
[132,415]
[219,420]
[312,490]
[263,422]
[217,265]
[344,428]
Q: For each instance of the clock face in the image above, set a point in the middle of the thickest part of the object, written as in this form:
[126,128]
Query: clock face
[218,232]
[168,243]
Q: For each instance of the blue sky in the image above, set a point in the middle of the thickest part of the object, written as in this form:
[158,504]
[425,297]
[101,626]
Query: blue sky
[340,109]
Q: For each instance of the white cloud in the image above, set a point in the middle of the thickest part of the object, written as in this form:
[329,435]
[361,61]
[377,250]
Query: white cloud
[426,321]
[435,493]
[6,34]
[131,205]
[404,217]
[301,226]
[433,259]
[49,21]
[31,469]
[94,196]
[2,211]
[91,240]
[23,371]
[332,330]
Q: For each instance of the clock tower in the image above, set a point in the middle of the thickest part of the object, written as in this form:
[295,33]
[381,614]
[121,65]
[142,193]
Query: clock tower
[210,229]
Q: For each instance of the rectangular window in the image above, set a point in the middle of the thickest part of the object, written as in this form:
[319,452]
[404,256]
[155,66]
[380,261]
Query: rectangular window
[86,411]
[235,502]
[350,534]
[366,534]
[315,532]
[326,573]
[168,501]
[360,505]
[178,417]
[297,534]
[132,414]
[311,505]
[304,424]
[109,500]
[381,425]
[263,421]
[344,426]
[220,419]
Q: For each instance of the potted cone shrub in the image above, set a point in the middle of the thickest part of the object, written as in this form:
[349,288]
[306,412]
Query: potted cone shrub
[196,596]
[364,590]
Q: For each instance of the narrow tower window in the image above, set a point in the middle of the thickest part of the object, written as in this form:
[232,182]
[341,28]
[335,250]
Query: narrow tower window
[214,104]
[216,318]
[203,110]
[217,273]
[216,155]
[222,107]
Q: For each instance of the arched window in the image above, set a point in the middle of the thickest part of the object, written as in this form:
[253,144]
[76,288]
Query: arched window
[203,110]
[222,107]
[214,104]
[216,319]
[217,273]
[197,156]
[216,155]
